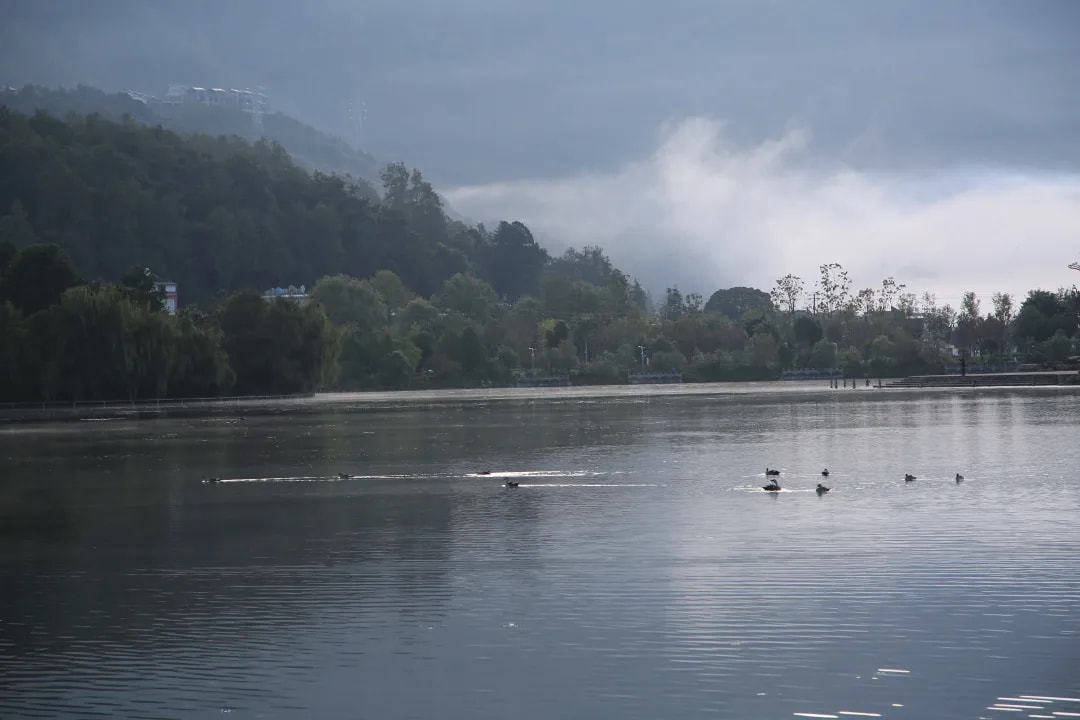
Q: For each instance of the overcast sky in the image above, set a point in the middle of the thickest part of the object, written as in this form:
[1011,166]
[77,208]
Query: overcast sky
[701,143]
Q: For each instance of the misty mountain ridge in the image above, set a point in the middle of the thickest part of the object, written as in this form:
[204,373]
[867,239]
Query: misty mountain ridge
[220,213]
[308,146]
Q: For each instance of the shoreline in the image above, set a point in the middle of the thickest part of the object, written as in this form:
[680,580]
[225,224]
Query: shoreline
[23,413]
[1037,378]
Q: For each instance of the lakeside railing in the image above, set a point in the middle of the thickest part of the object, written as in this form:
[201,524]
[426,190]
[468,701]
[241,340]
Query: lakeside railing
[543,381]
[656,378]
[812,374]
[146,402]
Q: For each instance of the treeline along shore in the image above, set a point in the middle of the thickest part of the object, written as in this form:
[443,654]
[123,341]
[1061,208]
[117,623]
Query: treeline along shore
[397,295]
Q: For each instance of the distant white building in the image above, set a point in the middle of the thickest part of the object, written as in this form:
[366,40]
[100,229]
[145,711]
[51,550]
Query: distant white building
[172,298]
[293,293]
[250,101]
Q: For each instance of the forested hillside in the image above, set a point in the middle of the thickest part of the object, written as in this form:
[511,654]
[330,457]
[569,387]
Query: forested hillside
[219,213]
[310,148]
[403,297]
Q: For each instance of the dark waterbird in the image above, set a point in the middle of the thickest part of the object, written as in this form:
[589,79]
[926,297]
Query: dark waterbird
[512,483]
[211,479]
[773,486]
[344,476]
[825,472]
[821,489]
[770,471]
[959,477]
[484,472]
[908,477]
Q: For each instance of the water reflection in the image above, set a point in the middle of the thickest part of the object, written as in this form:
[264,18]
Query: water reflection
[637,571]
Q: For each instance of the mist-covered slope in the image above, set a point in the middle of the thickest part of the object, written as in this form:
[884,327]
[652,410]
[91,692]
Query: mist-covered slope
[309,147]
[213,213]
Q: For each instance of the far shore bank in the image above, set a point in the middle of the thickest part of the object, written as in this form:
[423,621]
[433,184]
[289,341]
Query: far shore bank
[1002,379]
[278,404]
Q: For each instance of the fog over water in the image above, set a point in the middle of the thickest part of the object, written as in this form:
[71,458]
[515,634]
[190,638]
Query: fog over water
[700,213]
[638,570]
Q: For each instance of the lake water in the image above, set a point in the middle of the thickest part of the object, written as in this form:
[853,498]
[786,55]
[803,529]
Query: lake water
[638,571]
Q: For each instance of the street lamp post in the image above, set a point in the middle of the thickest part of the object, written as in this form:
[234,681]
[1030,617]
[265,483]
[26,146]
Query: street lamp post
[532,358]
[642,349]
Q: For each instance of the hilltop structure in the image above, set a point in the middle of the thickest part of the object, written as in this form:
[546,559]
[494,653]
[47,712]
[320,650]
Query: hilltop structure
[252,102]
[293,293]
[171,298]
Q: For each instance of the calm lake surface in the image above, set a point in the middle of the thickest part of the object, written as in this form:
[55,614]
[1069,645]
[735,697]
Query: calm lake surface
[637,572]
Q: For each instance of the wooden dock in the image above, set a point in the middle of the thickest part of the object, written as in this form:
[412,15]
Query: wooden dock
[1013,379]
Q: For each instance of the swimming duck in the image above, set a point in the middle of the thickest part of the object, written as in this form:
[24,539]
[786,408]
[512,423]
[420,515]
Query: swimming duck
[344,476]
[821,489]
[211,479]
[484,472]
[512,483]
[771,487]
[825,472]
[959,477]
[769,471]
[908,477]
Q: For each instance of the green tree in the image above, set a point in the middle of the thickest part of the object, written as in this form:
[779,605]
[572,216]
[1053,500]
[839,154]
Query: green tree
[16,230]
[736,301]
[93,344]
[1040,317]
[347,300]
[786,292]
[140,285]
[882,357]
[201,367]
[1059,347]
[396,369]
[13,381]
[554,332]
[589,265]
[966,333]
[889,295]
[674,305]
[466,348]
[514,262]
[807,330]
[277,346]
[7,251]
[395,180]
[36,277]
[864,302]
[425,211]
[1003,313]
[563,297]
[470,296]
[389,286]
[834,288]
[418,314]
[938,321]
[763,349]
[823,355]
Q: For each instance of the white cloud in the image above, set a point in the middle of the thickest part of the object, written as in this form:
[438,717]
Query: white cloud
[703,214]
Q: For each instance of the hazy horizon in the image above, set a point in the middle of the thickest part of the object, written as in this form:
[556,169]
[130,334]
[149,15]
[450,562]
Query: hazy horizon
[702,145]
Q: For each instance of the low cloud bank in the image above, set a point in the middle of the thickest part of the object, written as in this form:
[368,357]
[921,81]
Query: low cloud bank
[701,214]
